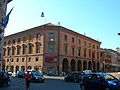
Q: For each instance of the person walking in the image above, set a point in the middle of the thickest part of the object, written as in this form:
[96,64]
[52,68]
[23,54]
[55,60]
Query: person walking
[27,80]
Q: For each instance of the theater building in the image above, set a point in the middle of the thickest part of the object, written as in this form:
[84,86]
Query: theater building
[52,49]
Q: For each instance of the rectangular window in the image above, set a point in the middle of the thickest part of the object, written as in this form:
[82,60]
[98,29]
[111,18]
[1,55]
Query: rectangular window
[73,40]
[65,37]
[79,52]
[24,39]
[9,42]
[18,40]
[13,41]
[22,59]
[17,60]
[65,49]
[84,43]
[38,36]
[79,41]
[4,43]
[51,36]
[51,49]
[36,59]
[73,52]
[85,52]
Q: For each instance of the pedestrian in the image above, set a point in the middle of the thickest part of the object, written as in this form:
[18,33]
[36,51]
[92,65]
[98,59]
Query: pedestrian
[27,80]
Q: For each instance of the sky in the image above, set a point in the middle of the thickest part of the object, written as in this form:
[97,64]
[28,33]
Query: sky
[98,19]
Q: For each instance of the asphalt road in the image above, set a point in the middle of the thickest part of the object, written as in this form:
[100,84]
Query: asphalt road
[51,83]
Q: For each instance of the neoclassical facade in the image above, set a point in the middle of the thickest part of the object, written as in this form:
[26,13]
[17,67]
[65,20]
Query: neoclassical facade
[52,49]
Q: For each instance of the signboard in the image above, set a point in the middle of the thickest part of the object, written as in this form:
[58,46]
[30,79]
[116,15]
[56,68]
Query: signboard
[51,58]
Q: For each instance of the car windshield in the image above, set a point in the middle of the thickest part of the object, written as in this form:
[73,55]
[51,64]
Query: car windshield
[109,77]
[36,73]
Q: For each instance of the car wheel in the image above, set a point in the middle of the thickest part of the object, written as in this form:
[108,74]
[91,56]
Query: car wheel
[82,87]
[42,81]
[65,80]
[107,88]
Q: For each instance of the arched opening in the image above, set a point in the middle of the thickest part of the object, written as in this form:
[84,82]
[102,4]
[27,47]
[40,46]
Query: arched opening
[22,68]
[84,65]
[17,68]
[65,66]
[94,66]
[12,69]
[79,66]
[98,66]
[72,65]
[89,65]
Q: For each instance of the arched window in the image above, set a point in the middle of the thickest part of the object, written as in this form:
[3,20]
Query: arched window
[24,49]
[38,47]
[13,50]
[30,48]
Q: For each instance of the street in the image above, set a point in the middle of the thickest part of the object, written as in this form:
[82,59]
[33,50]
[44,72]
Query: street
[51,83]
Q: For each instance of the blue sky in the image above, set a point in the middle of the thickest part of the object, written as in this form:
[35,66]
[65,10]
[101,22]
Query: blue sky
[98,19]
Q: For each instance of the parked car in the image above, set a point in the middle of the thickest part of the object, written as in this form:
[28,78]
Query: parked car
[4,79]
[100,81]
[74,77]
[20,74]
[37,77]
[9,72]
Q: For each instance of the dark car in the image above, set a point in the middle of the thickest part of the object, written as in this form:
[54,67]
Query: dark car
[37,77]
[74,77]
[100,81]
[4,79]
[20,74]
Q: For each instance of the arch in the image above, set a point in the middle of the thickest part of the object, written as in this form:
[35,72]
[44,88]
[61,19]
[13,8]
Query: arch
[94,66]
[84,65]
[7,67]
[79,66]
[22,68]
[29,67]
[12,69]
[98,66]
[72,65]
[17,68]
[90,65]
[65,67]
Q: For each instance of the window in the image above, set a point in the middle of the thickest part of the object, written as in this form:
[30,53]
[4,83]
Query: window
[18,40]
[13,50]
[79,41]
[23,59]
[37,47]
[51,36]
[9,51]
[30,48]
[24,49]
[9,42]
[17,60]
[51,48]
[85,52]
[73,40]
[24,39]
[93,46]
[38,36]
[7,60]
[36,59]
[18,50]
[97,47]
[65,37]
[90,53]
[89,45]
[65,49]
[29,60]
[13,41]
[30,37]
[84,43]
[79,51]
[73,52]
[12,60]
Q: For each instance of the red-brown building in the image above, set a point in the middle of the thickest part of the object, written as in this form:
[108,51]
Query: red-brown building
[51,49]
